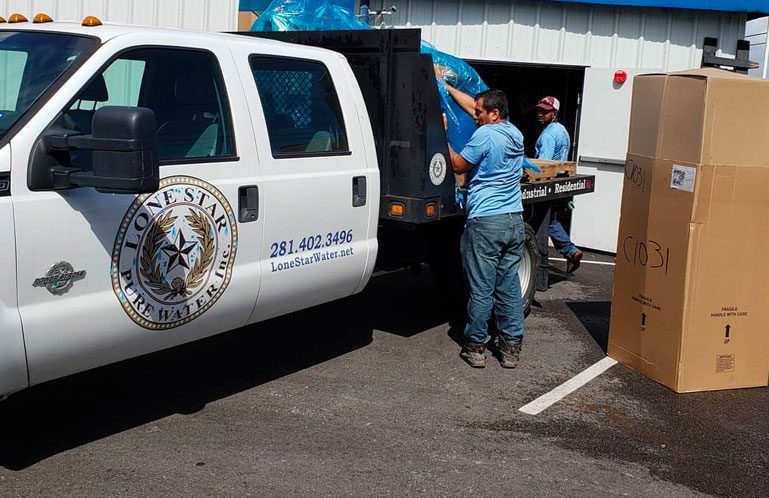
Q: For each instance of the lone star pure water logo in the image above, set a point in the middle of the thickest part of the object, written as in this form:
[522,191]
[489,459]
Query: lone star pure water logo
[174,253]
[437,169]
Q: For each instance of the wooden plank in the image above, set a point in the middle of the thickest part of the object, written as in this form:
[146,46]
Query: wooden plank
[550,170]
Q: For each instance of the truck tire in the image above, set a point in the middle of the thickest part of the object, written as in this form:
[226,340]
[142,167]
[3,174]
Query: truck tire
[446,266]
[528,269]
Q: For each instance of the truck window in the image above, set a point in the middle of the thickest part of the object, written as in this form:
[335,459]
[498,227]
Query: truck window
[13,62]
[183,87]
[30,64]
[122,80]
[300,107]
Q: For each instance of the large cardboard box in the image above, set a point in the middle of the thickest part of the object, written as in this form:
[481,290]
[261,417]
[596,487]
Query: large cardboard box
[690,307]
[246,20]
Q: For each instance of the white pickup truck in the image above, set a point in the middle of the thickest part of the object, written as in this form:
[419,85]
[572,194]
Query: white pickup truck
[158,186]
[244,211]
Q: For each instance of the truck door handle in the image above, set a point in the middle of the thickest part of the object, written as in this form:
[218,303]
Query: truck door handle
[248,203]
[358,191]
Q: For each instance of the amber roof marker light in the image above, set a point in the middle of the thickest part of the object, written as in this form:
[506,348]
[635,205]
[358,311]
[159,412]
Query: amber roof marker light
[41,18]
[91,21]
[17,18]
[2,20]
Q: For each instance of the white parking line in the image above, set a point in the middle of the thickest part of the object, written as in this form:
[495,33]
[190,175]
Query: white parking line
[568,387]
[607,263]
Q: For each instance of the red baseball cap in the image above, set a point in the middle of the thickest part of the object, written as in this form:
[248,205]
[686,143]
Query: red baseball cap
[549,103]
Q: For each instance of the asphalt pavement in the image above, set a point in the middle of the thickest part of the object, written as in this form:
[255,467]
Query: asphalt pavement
[368,397]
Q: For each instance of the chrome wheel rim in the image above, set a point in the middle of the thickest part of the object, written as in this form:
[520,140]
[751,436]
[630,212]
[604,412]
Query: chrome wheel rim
[525,271]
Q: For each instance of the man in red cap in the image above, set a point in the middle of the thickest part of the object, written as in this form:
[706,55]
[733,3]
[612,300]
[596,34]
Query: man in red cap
[554,144]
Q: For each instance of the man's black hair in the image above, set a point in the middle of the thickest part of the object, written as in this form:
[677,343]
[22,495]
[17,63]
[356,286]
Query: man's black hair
[494,99]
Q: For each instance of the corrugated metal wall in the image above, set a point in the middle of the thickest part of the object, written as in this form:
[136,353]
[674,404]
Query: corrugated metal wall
[211,15]
[756,32]
[578,34]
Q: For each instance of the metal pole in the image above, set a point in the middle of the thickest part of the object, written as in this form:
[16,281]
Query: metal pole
[364,11]
[764,69]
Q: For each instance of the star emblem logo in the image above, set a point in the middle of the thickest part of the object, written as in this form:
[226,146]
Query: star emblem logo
[179,252]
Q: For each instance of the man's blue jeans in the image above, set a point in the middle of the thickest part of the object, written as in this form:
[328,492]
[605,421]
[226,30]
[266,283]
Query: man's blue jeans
[561,240]
[492,248]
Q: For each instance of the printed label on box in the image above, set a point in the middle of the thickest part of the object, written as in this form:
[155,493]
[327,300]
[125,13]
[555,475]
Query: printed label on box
[683,178]
[725,363]
[646,301]
[729,312]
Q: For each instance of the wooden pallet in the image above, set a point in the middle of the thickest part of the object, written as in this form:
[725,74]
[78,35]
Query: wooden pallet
[550,170]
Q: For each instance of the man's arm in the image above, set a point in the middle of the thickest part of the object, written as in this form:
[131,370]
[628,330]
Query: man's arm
[459,164]
[473,153]
[465,101]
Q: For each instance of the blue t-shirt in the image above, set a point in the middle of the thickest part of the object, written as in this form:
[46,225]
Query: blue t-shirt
[494,184]
[553,143]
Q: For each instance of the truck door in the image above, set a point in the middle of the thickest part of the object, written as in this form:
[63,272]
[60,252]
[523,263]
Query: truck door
[13,363]
[104,277]
[320,184]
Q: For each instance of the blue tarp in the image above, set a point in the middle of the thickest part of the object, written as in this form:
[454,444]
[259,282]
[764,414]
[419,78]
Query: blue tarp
[261,5]
[307,15]
[757,6]
[253,5]
[461,76]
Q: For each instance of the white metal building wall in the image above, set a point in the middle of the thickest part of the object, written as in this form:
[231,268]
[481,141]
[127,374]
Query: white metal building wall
[567,33]
[210,15]
[756,32]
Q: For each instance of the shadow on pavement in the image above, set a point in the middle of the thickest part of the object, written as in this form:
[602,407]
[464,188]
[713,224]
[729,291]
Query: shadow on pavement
[59,415]
[595,318]
[405,306]
[556,276]
[66,413]
[457,332]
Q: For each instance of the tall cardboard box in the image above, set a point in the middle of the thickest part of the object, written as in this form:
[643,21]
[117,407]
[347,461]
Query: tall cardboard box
[690,307]
[246,20]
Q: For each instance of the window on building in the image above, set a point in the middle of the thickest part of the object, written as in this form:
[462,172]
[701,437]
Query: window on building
[300,107]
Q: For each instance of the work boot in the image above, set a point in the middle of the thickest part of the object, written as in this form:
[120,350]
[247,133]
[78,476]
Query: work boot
[573,262]
[509,354]
[474,354]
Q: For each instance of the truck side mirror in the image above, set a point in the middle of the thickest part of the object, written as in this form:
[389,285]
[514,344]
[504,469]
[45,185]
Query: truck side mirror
[124,154]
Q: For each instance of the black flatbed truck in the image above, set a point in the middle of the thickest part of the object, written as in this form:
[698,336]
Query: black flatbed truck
[401,95]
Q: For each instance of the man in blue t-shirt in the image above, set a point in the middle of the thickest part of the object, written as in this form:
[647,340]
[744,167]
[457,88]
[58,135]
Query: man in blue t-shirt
[554,143]
[493,240]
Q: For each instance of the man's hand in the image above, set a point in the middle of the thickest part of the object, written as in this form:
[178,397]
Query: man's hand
[439,72]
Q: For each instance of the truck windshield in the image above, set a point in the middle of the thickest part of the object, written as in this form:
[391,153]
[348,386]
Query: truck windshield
[29,64]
